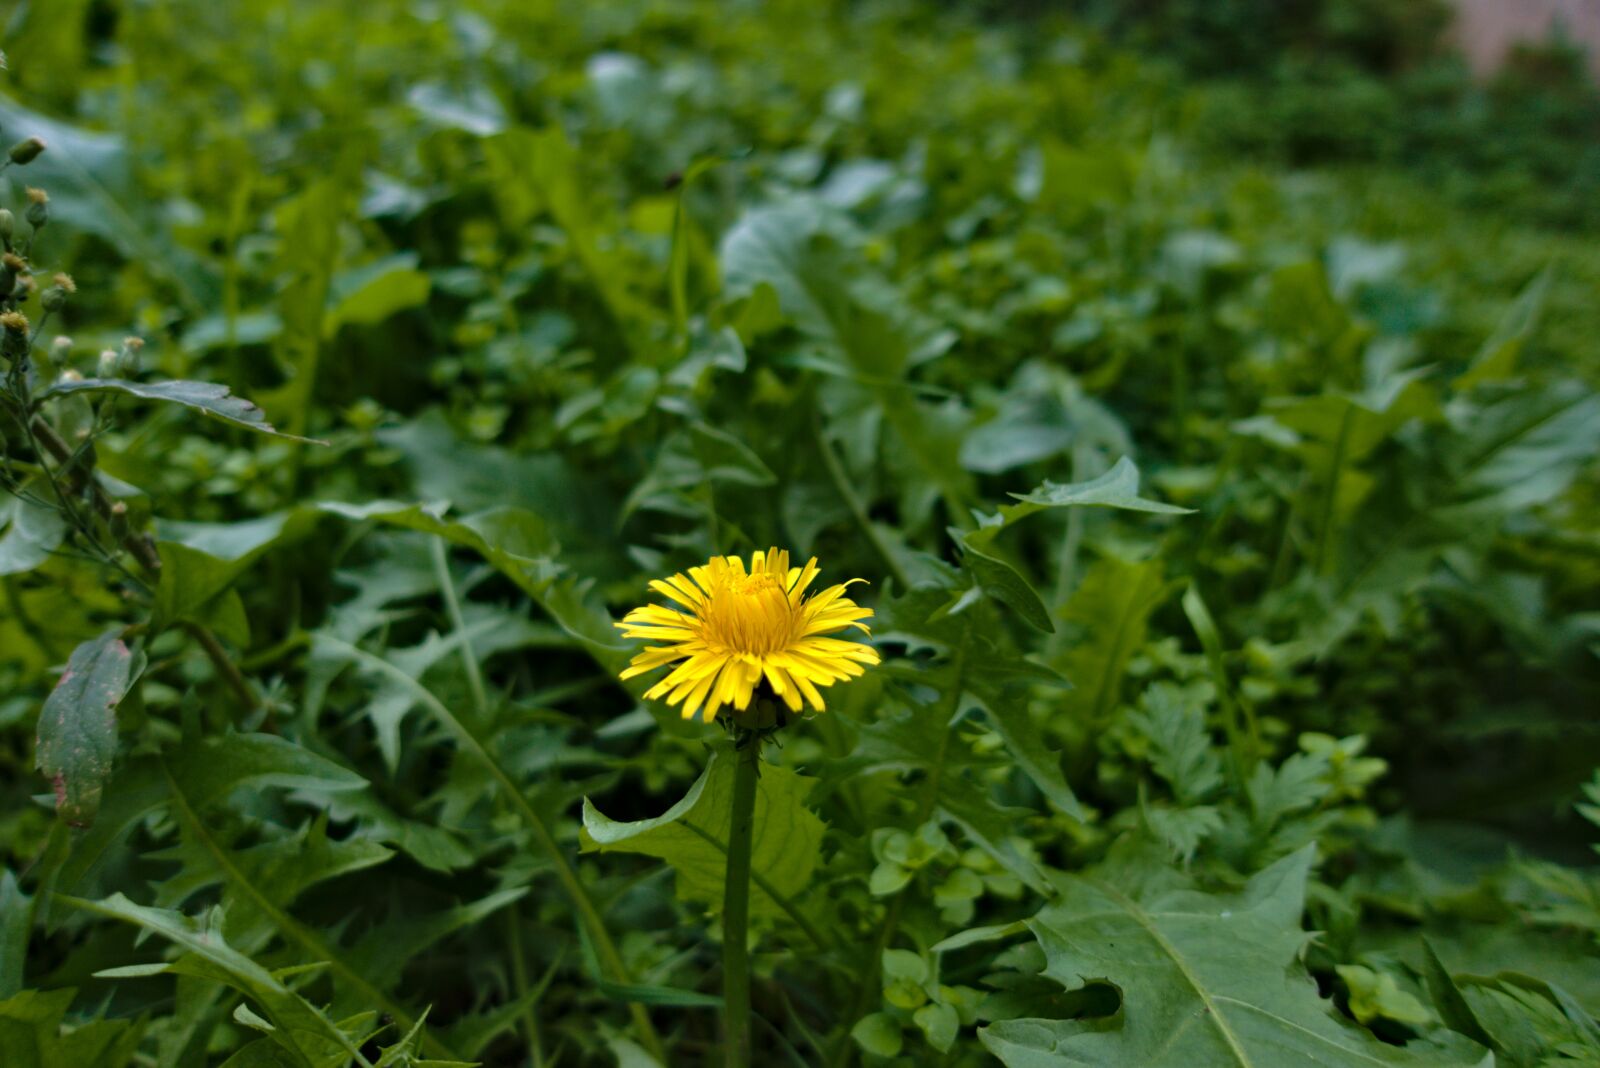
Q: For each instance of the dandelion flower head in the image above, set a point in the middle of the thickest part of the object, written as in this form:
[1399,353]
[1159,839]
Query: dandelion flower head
[737,626]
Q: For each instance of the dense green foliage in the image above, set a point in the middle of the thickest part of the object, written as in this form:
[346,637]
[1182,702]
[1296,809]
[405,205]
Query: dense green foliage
[1358,83]
[1232,533]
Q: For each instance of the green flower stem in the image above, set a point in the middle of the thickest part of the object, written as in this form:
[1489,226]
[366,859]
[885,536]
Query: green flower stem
[736,905]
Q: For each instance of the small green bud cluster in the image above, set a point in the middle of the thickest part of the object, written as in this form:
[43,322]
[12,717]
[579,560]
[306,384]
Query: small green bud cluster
[38,212]
[13,335]
[57,356]
[26,151]
[114,363]
[55,298]
[12,269]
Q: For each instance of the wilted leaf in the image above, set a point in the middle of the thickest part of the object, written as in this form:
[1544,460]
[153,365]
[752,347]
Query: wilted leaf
[78,726]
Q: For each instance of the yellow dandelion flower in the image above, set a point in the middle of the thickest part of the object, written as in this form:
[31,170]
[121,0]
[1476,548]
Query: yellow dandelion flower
[743,626]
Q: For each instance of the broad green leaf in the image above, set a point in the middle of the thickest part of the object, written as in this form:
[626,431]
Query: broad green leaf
[670,996]
[1496,359]
[1004,583]
[212,768]
[1205,628]
[209,769]
[1173,721]
[407,1053]
[1041,415]
[90,178]
[1519,451]
[1001,685]
[1452,1006]
[279,869]
[1078,179]
[205,397]
[608,410]
[78,725]
[33,1035]
[1531,1021]
[1205,980]
[1113,606]
[29,533]
[221,331]
[267,881]
[1376,995]
[536,824]
[871,340]
[16,919]
[1301,305]
[878,1034]
[1117,488]
[580,509]
[775,246]
[940,1024]
[375,291]
[697,456]
[536,170]
[263,1053]
[195,588]
[200,561]
[519,545]
[309,225]
[692,837]
[430,845]
[1339,428]
[926,738]
[238,542]
[475,110]
[261,882]
[385,951]
[299,1026]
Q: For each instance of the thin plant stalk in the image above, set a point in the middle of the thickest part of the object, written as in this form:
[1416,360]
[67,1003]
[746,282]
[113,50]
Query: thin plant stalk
[736,904]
